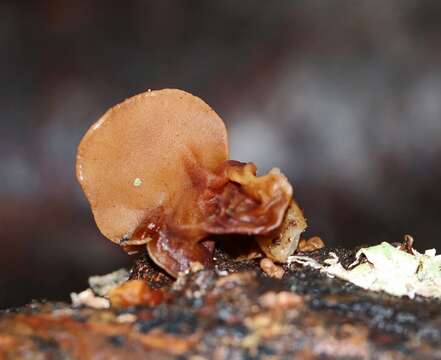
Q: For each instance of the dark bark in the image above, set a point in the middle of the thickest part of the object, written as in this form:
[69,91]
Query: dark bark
[241,315]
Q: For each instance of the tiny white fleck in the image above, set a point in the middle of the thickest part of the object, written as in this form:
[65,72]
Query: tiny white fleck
[137,182]
[96,125]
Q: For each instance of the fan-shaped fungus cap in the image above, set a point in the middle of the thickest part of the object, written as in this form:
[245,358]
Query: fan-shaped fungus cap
[154,169]
[132,161]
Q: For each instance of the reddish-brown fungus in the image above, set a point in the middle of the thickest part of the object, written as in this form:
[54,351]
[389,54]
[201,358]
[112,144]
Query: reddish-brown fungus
[135,292]
[154,169]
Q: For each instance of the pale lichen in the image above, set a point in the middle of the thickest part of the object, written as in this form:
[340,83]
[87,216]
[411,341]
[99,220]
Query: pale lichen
[387,268]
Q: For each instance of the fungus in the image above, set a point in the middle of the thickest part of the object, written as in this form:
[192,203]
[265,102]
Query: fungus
[271,269]
[280,245]
[155,170]
[312,244]
[134,292]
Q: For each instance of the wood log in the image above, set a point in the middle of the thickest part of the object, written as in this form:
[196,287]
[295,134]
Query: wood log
[234,311]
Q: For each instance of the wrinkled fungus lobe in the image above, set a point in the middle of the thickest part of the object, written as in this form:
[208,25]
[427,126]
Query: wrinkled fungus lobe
[155,170]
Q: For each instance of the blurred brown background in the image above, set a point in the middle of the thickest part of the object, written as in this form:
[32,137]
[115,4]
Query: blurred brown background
[344,96]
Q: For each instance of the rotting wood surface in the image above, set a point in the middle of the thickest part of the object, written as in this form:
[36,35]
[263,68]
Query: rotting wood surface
[233,312]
